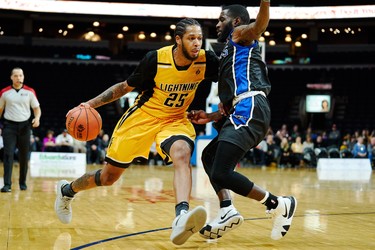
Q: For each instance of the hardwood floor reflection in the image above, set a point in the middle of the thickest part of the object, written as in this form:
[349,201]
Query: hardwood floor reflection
[137,212]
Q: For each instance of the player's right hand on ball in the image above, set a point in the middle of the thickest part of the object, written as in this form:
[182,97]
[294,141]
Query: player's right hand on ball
[83,105]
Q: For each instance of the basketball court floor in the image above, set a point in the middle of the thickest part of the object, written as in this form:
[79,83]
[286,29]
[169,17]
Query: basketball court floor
[137,212]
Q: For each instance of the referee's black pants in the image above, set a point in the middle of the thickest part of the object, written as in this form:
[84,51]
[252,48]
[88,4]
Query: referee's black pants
[16,135]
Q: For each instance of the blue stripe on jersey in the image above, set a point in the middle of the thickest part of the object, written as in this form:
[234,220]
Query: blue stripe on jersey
[241,67]
[241,73]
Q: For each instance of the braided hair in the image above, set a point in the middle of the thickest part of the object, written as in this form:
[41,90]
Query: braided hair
[181,26]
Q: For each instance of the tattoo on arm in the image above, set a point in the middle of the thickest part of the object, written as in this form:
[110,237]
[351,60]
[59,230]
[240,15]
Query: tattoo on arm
[109,95]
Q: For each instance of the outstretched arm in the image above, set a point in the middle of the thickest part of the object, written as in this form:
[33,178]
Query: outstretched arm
[246,34]
[111,94]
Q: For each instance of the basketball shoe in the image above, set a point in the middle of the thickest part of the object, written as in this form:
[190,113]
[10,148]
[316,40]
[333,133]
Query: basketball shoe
[63,207]
[227,220]
[187,223]
[282,216]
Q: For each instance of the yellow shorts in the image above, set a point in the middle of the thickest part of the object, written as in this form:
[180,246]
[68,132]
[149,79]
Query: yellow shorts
[136,131]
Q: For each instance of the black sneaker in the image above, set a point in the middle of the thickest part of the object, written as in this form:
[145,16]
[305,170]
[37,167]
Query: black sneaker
[23,187]
[6,189]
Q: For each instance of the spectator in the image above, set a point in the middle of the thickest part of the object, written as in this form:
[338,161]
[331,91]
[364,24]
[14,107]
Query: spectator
[310,133]
[286,152]
[281,133]
[259,154]
[360,149]
[93,151]
[345,142]
[295,132]
[49,142]
[34,143]
[366,136]
[64,142]
[352,142]
[297,149]
[320,143]
[273,151]
[308,143]
[334,137]
[79,146]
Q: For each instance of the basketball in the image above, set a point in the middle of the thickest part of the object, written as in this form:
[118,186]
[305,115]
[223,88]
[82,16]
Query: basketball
[83,123]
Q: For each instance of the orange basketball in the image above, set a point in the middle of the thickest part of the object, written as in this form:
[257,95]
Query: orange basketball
[83,123]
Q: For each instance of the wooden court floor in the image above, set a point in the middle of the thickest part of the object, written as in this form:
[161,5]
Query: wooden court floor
[137,212]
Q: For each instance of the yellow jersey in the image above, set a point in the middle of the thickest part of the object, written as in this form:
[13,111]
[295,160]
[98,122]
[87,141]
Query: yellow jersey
[166,90]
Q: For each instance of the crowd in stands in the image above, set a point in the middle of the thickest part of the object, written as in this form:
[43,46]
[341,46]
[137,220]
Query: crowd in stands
[296,148]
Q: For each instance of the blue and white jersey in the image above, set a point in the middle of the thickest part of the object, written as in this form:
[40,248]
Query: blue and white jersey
[242,71]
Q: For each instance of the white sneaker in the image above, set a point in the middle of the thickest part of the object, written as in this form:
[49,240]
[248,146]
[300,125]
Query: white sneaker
[282,216]
[187,223]
[63,207]
[227,220]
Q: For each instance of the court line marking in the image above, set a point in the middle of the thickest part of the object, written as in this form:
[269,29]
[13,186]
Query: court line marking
[167,228]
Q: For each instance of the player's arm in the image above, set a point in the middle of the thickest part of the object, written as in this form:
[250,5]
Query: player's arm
[142,75]
[201,117]
[111,94]
[246,34]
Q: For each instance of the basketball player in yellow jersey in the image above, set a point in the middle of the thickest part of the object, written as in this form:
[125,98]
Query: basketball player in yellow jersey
[167,80]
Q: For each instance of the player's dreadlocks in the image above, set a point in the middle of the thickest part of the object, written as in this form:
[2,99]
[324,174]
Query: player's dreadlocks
[181,26]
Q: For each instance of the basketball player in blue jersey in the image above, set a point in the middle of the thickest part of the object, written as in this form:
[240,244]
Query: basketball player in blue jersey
[167,80]
[242,122]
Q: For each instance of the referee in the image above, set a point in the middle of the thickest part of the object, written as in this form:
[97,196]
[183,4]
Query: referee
[16,101]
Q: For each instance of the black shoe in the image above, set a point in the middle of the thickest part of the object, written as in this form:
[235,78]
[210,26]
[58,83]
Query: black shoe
[6,189]
[23,187]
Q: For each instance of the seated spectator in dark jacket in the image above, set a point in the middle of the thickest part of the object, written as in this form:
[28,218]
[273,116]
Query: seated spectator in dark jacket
[320,142]
[334,137]
[94,151]
[273,151]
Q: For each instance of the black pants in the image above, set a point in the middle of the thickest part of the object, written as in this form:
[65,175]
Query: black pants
[16,135]
[219,159]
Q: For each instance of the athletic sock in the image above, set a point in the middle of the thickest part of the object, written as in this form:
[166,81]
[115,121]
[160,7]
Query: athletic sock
[181,206]
[270,201]
[225,203]
[67,190]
